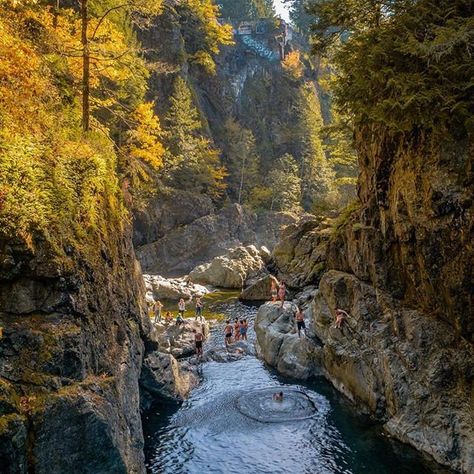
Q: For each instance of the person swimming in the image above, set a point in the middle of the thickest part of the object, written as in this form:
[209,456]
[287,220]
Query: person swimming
[278,397]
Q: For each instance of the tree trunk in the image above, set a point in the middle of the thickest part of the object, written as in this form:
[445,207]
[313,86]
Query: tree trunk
[241,187]
[85,67]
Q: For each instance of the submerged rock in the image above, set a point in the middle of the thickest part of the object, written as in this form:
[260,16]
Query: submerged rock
[231,270]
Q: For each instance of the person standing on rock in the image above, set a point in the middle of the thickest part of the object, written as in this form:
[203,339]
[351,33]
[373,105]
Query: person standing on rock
[243,329]
[228,333]
[282,293]
[181,307]
[198,338]
[236,330]
[340,318]
[299,317]
[199,307]
[274,291]
[157,307]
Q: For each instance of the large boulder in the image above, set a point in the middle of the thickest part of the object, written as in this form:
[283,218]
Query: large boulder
[231,270]
[160,288]
[260,290]
[404,366]
[163,376]
[183,247]
[279,344]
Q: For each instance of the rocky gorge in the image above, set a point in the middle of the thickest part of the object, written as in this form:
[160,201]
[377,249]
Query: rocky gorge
[405,354]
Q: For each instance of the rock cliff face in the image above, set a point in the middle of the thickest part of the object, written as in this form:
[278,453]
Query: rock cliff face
[70,358]
[205,236]
[401,264]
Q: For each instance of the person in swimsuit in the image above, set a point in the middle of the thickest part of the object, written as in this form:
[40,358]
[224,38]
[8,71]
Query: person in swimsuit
[282,293]
[199,306]
[278,397]
[243,330]
[340,318]
[299,317]
[236,330]
[198,338]
[157,307]
[228,333]
[274,291]
[181,307]
[168,316]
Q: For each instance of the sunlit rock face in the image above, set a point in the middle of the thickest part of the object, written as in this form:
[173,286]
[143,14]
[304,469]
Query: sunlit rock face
[401,264]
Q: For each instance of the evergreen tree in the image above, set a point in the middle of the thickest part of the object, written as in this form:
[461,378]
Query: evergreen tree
[285,185]
[246,9]
[241,161]
[191,162]
[317,176]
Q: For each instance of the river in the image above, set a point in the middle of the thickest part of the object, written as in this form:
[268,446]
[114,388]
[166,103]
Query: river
[208,433]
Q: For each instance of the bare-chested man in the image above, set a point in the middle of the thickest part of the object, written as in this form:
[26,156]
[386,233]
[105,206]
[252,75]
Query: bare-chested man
[198,338]
[299,317]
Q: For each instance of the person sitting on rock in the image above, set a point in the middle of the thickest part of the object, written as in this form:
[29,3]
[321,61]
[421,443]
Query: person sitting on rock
[299,317]
[278,397]
[168,317]
[181,307]
[198,338]
[340,318]
[228,333]
[199,307]
[274,291]
[236,330]
[282,293]
[157,307]
[179,320]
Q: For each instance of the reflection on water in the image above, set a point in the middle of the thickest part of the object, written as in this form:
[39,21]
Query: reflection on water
[209,434]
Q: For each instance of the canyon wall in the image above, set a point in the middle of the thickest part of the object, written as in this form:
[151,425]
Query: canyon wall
[400,262]
[71,356]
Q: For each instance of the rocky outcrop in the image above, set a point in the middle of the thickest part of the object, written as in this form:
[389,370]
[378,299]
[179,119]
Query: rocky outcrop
[159,288]
[279,344]
[402,365]
[401,262]
[182,248]
[70,357]
[231,270]
[300,257]
[259,290]
[165,374]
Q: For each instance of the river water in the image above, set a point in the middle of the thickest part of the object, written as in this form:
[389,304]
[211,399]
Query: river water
[208,433]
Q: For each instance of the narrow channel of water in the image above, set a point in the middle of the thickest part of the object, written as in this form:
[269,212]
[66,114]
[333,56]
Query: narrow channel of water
[209,434]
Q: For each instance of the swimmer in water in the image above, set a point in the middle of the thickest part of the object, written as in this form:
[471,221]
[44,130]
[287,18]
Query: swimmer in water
[278,397]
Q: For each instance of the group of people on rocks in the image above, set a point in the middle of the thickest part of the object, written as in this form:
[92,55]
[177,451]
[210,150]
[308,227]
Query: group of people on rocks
[235,332]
